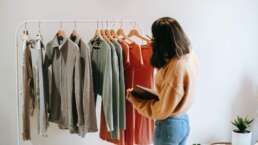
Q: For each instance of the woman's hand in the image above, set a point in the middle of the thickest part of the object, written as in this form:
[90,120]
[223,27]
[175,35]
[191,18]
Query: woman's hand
[128,91]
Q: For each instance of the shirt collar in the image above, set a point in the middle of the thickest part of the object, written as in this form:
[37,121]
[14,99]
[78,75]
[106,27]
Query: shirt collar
[54,42]
[77,40]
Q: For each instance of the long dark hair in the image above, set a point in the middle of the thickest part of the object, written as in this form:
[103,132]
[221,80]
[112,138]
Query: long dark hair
[169,41]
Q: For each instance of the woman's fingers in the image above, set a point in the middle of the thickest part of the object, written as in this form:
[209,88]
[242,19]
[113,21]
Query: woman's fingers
[128,92]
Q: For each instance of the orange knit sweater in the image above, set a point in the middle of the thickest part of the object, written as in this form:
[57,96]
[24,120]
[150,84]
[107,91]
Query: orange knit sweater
[174,84]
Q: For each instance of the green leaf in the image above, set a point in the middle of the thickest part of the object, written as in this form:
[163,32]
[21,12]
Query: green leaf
[242,124]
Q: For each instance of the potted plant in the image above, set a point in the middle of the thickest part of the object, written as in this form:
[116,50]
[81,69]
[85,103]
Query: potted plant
[241,135]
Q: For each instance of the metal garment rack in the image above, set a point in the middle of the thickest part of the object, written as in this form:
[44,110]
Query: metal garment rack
[24,24]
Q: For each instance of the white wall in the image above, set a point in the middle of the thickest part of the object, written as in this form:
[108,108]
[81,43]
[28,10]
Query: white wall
[224,33]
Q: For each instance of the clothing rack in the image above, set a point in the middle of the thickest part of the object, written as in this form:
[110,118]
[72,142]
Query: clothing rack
[24,24]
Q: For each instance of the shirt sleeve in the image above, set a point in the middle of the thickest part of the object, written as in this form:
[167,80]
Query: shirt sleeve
[77,87]
[27,95]
[171,97]
[107,94]
[89,101]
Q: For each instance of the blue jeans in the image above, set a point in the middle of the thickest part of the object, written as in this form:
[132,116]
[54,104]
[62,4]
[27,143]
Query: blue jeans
[172,131]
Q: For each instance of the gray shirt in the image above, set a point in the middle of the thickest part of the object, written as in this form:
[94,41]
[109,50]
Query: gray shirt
[39,85]
[64,62]
[119,52]
[88,99]
[115,94]
[102,77]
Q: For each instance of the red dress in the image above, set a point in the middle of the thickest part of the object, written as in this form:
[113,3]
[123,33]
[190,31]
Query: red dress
[143,76]
[138,71]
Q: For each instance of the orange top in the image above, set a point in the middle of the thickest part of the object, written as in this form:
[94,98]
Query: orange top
[173,83]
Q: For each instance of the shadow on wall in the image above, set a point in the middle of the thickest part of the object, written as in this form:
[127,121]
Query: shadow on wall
[245,103]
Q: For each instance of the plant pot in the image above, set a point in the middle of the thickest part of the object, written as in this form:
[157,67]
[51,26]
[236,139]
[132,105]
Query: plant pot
[241,138]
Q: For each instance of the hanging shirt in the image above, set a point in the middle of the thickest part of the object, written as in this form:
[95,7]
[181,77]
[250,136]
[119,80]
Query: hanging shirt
[119,52]
[39,77]
[28,91]
[115,90]
[118,93]
[88,99]
[139,129]
[102,77]
[64,61]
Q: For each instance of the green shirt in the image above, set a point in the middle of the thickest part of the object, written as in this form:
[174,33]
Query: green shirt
[102,77]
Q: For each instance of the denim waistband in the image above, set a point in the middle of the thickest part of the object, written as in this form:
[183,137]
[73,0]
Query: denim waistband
[179,117]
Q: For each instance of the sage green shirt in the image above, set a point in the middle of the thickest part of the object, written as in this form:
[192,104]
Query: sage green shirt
[102,77]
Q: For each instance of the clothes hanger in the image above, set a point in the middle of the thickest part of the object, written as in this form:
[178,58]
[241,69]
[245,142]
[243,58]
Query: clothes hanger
[113,32]
[74,34]
[120,31]
[134,32]
[121,34]
[98,33]
[25,36]
[60,33]
[39,37]
[25,33]
[149,37]
[103,34]
[107,32]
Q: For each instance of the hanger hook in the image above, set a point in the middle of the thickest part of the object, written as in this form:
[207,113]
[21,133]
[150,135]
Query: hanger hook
[39,27]
[134,24]
[97,24]
[26,31]
[113,24]
[25,26]
[75,25]
[102,24]
[61,25]
[107,24]
[121,24]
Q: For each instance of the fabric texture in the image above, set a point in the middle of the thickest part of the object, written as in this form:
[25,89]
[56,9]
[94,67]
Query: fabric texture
[139,129]
[172,131]
[143,76]
[118,94]
[174,84]
[119,51]
[87,91]
[40,91]
[28,91]
[63,58]
[103,77]
[115,92]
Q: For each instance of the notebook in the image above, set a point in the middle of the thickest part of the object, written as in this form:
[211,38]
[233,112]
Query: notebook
[144,93]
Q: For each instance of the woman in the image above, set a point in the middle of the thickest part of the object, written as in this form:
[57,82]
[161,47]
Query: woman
[176,67]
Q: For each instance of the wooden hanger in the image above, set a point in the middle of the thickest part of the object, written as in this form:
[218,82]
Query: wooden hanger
[136,33]
[60,33]
[120,31]
[113,34]
[121,34]
[25,37]
[98,33]
[149,37]
[107,32]
[75,34]
[104,35]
